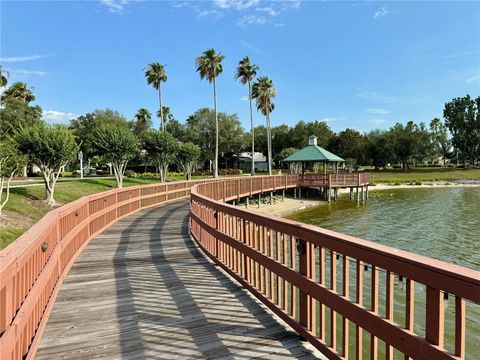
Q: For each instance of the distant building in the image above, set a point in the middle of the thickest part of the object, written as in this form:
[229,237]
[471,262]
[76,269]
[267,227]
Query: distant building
[245,161]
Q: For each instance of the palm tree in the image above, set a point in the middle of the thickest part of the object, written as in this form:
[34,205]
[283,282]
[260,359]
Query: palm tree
[263,92]
[209,66]
[245,73]
[143,122]
[155,74]
[3,77]
[165,112]
[19,91]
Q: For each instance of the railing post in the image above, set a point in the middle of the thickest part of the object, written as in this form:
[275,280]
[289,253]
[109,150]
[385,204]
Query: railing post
[303,267]
[358,179]
[215,216]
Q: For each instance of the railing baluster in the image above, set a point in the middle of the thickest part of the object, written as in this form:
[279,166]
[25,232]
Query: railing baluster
[359,300]
[459,327]
[434,316]
[293,303]
[321,262]
[374,303]
[333,287]
[390,282]
[346,284]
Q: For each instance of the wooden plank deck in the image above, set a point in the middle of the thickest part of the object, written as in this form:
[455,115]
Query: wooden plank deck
[143,290]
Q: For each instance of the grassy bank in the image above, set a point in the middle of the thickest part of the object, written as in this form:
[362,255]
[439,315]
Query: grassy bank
[26,205]
[392,176]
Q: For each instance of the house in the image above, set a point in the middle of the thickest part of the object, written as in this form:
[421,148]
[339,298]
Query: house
[245,161]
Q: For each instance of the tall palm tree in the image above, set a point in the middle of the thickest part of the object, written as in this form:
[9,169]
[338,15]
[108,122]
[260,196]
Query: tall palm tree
[245,73]
[263,92]
[209,66]
[19,91]
[143,119]
[3,77]
[155,74]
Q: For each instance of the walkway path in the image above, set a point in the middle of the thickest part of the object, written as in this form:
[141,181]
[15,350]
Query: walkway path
[142,289]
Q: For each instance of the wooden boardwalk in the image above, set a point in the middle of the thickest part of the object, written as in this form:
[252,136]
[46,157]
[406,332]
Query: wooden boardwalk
[143,290]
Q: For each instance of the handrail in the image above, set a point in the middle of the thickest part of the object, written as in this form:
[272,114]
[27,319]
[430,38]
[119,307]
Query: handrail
[309,276]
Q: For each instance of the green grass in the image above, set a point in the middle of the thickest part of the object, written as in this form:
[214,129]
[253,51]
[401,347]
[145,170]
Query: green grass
[420,175]
[26,205]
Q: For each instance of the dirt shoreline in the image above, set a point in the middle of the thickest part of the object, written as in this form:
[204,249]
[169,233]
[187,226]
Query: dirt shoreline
[282,208]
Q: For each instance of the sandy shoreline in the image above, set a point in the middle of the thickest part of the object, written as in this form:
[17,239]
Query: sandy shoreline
[289,205]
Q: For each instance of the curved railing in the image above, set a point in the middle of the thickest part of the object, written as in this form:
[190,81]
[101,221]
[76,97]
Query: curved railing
[34,266]
[346,296]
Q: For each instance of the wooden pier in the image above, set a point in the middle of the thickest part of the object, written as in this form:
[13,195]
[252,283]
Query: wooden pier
[116,275]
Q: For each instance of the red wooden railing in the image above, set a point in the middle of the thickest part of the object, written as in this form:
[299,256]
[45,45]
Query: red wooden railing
[336,290]
[335,180]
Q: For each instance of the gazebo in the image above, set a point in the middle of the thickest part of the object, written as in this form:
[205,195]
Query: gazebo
[312,155]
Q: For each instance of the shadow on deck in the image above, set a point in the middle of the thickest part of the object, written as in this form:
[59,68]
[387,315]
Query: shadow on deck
[142,289]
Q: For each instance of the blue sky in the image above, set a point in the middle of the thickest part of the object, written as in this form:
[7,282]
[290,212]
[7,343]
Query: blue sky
[361,65]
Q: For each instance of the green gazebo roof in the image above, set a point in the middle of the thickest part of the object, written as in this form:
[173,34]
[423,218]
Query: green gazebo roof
[313,153]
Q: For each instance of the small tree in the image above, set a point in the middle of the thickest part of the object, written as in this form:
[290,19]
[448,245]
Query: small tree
[50,148]
[162,149]
[11,162]
[117,145]
[188,154]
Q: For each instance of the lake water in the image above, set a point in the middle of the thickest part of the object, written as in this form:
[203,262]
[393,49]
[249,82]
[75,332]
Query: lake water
[443,223]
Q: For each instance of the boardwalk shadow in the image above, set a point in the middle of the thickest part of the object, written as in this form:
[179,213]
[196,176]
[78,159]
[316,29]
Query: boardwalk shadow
[178,304]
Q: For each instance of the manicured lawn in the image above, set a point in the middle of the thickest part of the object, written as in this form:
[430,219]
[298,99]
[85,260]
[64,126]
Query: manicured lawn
[423,174]
[26,205]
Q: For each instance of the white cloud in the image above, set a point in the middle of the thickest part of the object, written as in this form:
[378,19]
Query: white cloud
[236,4]
[23,58]
[57,117]
[251,19]
[381,12]
[269,10]
[27,73]
[209,13]
[117,6]
[244,98]
[474,78]
[378,111]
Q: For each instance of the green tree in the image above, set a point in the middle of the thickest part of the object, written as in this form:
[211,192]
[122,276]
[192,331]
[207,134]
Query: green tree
[379,148]
[350,145]
[11,163]
[3,77]
[302,130]
[165,116]
[246,71]
[188,155]
[264,92]
[403,142]
[155,75]
[19,91]
[200,129]
[16,115]
[209,66]
[463,120]
[50,148]
[161,149]
[115,144]
[84,126]
[441,142]
[176,128]
[143,122]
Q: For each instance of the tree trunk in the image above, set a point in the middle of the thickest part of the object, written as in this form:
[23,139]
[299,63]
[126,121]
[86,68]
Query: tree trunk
[162,125]
[215,164]
[269,141]
[252,171]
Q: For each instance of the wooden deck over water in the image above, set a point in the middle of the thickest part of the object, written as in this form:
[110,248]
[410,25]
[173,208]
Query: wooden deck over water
[142,289]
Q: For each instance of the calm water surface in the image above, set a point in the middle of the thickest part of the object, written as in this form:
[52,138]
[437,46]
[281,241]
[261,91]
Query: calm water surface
[442,223]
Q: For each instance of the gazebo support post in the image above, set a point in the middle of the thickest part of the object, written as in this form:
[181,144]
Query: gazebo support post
[283,195]
[259,200]
[246,202]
